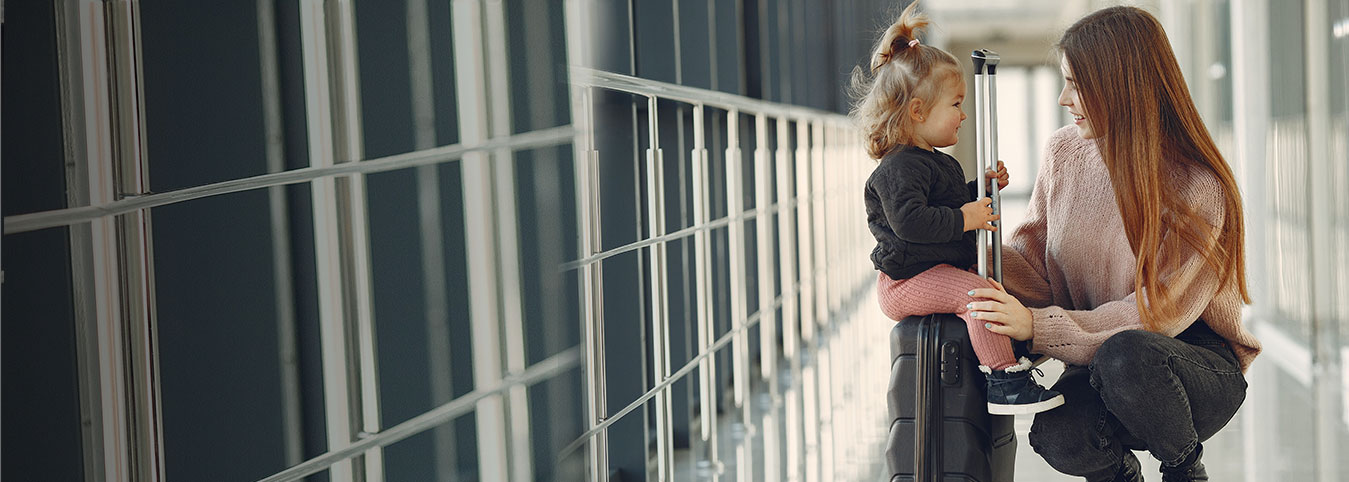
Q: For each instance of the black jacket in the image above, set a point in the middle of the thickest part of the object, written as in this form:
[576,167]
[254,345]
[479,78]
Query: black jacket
[913,201]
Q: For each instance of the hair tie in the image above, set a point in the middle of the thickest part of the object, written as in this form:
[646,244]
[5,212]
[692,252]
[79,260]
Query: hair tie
[913,43]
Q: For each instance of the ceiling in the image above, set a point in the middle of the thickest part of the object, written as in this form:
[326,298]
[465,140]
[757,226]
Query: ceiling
[1022,31]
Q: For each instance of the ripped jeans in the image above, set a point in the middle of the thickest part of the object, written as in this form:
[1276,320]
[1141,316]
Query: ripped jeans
[1137,394]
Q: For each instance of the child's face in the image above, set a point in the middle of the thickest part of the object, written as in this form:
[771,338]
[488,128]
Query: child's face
[1072,99]
[940,127]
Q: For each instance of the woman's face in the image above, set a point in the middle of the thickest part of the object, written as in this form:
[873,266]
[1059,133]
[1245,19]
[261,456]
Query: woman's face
[1072,99]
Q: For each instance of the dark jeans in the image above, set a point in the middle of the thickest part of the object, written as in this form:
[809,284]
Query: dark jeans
[1138,394]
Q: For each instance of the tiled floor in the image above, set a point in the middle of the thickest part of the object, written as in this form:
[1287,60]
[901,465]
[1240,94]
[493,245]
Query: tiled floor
[738,448]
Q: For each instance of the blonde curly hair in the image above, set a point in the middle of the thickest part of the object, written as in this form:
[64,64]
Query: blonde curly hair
[901,71]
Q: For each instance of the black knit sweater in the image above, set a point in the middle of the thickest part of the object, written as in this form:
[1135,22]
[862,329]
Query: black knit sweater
[913,201]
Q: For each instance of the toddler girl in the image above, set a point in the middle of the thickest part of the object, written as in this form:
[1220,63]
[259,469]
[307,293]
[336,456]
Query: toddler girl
[920,209]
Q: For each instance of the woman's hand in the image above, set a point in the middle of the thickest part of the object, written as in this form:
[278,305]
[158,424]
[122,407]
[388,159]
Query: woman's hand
[1001,312]
[1000,175]
[978,213]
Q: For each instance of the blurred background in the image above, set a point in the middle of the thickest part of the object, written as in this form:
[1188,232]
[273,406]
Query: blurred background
[560,240]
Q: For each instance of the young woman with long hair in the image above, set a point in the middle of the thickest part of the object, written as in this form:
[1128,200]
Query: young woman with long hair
[1129,266]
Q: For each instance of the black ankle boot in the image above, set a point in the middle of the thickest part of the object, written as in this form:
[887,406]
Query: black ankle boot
[1129,471]
[1188,470]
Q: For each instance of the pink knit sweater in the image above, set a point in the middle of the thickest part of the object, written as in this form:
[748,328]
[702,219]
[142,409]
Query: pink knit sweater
[1071,264]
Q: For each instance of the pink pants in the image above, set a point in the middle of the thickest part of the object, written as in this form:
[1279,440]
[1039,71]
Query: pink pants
[944,289]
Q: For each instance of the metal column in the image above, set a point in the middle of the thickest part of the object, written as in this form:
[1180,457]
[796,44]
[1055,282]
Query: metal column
[511,295]
[475,123]
[99,45]
[435,286]
[1326,346]
[660,324]
[707,388]
[287,336]
[740,353]
[763,201]
[588,220]
[341,235]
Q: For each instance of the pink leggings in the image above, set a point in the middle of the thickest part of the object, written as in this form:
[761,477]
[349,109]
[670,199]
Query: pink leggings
[944,289]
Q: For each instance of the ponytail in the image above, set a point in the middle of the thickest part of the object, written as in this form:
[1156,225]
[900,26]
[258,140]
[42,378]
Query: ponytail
[902,69]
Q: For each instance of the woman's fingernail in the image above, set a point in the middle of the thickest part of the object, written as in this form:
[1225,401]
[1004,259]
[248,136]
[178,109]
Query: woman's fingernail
[988,326]
[974,314]
[969,305]
[971,293]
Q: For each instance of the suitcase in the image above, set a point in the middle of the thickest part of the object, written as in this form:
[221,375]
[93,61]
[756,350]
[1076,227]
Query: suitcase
[940,428]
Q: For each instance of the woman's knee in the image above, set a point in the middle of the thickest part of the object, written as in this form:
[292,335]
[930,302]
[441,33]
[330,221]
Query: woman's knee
[1121,355]
[1067,445]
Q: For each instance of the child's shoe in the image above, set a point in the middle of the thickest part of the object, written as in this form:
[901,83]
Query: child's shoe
[1014,392]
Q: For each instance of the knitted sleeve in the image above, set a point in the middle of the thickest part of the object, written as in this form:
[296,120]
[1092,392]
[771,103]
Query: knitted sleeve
[1023,254]
[1074,335]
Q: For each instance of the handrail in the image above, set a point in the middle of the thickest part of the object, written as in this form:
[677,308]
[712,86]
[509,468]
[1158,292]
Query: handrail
[548,368]
[812,127]
[747,215]
[587,77]
[659,387]
[20,223]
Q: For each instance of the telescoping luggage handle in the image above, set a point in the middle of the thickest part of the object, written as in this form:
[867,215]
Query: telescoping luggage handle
[986,135]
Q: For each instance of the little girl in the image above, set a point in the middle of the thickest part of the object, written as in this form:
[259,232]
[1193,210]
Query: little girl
[919,207]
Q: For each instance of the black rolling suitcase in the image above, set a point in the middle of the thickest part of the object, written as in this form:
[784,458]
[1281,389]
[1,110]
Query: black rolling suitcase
[940,428]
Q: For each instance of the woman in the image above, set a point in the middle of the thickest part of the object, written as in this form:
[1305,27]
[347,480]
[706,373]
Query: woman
[1131,261]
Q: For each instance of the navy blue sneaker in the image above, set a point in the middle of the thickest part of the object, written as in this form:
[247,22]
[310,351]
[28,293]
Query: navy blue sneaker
[1014,392]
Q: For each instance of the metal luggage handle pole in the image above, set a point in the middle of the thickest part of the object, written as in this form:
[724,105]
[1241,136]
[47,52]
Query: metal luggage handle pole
[986,135]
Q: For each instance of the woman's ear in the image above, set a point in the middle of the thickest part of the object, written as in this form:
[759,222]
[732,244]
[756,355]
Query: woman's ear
[916,110]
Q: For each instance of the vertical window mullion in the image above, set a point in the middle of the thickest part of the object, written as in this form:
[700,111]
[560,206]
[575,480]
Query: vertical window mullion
[508,241]
[431,229]
[287,335]
[341,236]
[476,124]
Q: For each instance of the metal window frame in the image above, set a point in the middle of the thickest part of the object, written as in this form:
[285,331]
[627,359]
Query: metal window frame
[837,375]
[496,325]
[1326,344]
[548,368]
[287,331]
[111,258]
[341,236]
[110,233]
[344,258]
[70,41]
[518,428]
[21,223]
[431,226]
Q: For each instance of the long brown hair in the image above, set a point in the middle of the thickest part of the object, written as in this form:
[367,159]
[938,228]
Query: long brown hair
[898,74]
[1147,127]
